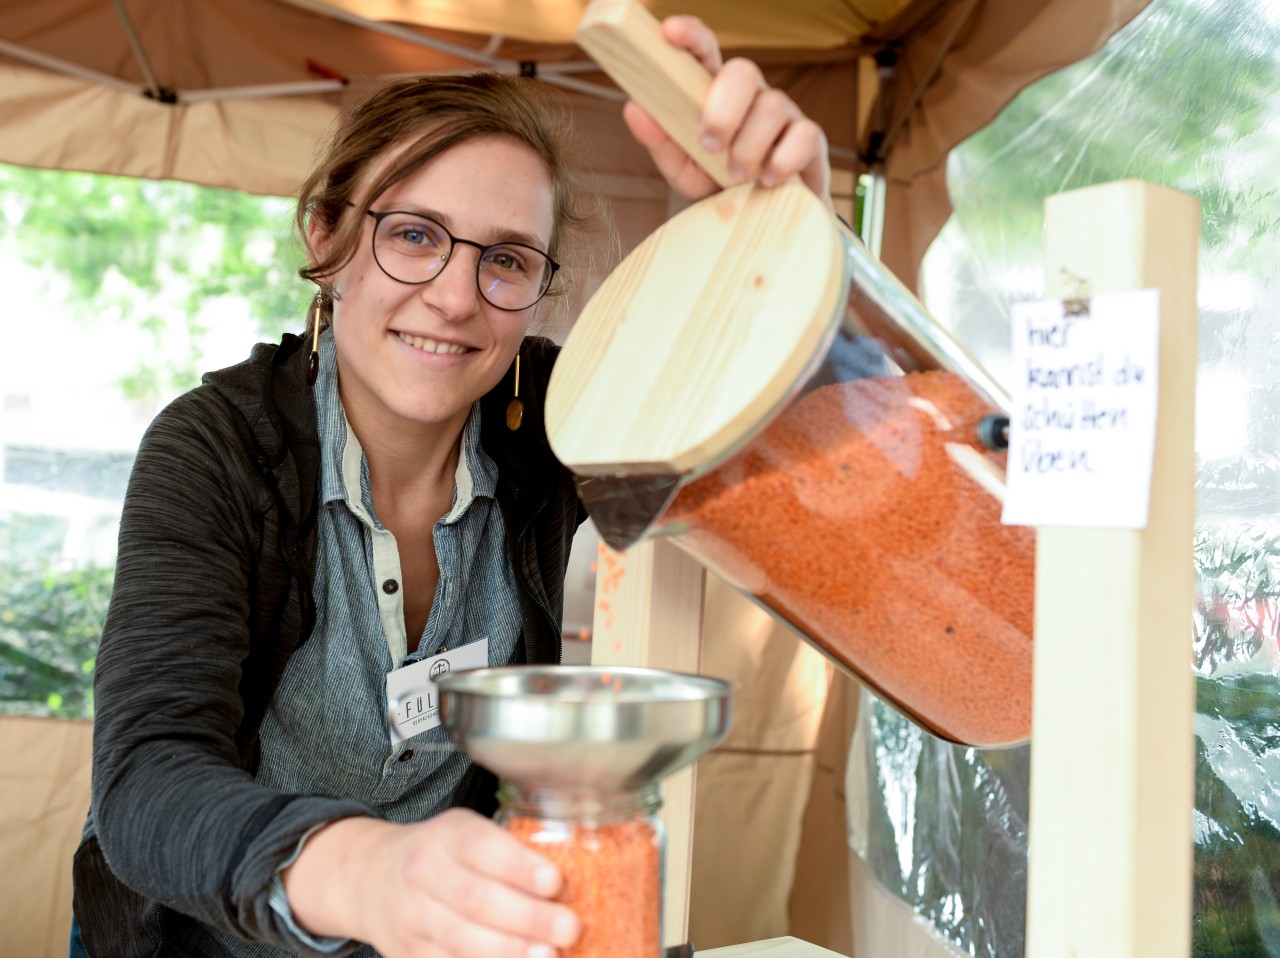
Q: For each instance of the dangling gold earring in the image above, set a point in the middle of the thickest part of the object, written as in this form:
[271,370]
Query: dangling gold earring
[515,408]
[313,364]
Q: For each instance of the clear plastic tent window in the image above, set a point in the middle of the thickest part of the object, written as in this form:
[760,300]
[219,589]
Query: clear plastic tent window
[1186,96]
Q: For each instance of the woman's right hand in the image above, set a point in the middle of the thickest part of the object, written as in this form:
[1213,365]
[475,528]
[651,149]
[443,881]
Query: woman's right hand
[763,132]
[454,886]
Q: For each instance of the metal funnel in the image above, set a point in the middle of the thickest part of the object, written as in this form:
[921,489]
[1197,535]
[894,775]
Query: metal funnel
[583,727]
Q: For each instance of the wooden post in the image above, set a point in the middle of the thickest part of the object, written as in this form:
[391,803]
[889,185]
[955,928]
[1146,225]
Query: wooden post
[1114,697]
[649,613]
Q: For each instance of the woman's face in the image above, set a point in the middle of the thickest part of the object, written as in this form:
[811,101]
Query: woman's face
[412,355]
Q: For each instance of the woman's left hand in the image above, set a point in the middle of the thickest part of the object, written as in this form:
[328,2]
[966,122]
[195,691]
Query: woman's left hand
[766,135]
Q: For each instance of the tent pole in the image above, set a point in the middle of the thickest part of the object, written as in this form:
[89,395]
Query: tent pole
[926,78]
[581,86]
[264,91]
[871,229]
[139,54]
[66,68]
[400,33]
[453,49]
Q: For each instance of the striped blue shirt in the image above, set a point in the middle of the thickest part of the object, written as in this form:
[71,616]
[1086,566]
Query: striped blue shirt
[326,730]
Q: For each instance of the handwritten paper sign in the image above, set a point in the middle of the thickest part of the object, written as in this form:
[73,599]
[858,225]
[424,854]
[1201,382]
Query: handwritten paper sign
[1082,429]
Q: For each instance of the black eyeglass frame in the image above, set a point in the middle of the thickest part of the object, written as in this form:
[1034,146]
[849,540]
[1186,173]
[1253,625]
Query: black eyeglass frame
[379,215]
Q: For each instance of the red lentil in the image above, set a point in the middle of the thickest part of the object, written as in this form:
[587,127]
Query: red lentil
[612,880]
[848,518]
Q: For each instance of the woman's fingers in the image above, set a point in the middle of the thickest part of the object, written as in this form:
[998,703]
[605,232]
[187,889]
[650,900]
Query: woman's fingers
[460,886]
[505,884]
[479,845]
[690,33]
[768,137]
[447,934]
[676,166]
[732,102]
[483,908]
[764,133]
[802,150]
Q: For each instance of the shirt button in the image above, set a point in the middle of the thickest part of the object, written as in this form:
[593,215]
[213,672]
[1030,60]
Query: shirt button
[390,587]
[406,755]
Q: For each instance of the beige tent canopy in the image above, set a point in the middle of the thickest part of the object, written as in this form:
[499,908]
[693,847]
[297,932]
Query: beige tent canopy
[236,93]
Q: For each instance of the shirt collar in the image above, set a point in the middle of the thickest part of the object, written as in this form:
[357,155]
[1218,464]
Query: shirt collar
[476,474]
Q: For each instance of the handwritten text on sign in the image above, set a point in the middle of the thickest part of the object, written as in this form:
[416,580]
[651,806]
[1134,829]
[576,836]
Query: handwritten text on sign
[1082,429]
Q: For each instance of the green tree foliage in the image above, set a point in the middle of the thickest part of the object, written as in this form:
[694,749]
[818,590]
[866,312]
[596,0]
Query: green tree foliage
[134,253]
[1237,862]
[50,622]
[153,254]
[1168,101]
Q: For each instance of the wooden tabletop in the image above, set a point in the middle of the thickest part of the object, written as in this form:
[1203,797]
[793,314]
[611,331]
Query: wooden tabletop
[770,948]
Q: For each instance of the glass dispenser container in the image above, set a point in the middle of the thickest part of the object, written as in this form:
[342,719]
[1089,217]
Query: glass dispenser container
[580,752]
[753,384]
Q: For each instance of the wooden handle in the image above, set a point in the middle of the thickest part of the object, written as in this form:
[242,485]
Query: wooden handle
[627,41]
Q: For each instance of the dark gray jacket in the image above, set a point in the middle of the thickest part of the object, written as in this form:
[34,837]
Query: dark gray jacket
[212,595]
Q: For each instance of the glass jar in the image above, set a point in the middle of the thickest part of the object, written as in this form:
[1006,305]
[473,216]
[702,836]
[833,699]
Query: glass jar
[867,516]
[753,384]
[610,848]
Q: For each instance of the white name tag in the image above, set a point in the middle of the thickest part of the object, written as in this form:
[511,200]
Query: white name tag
[413,702]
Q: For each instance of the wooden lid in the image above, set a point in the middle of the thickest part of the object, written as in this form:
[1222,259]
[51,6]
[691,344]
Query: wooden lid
[699,335]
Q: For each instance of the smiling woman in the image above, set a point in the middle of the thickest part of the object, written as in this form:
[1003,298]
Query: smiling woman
[353,504]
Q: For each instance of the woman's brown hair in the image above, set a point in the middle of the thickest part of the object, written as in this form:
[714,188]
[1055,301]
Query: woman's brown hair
[426,116]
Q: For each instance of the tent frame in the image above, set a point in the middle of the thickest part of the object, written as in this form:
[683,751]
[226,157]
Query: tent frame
[559,74]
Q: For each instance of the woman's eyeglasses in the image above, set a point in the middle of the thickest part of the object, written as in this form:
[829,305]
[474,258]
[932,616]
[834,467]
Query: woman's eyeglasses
[414,249]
